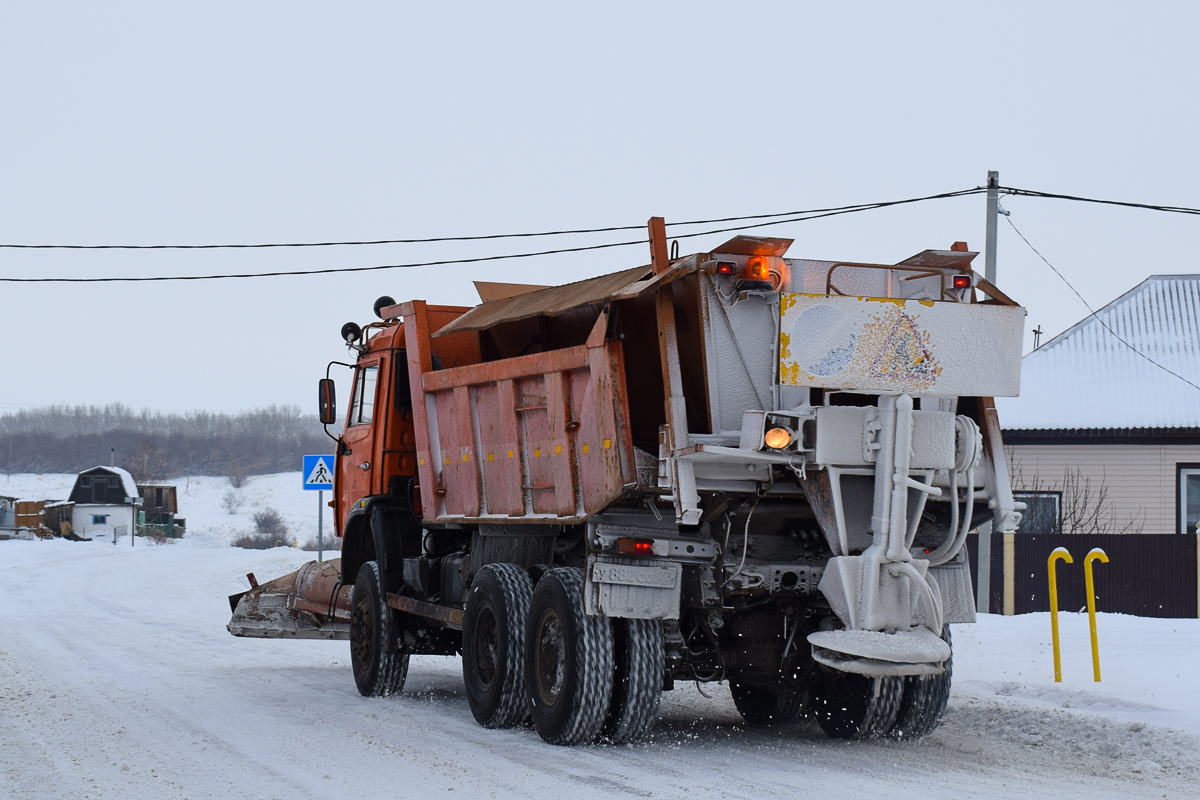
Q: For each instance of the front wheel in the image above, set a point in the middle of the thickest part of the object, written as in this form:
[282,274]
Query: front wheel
[568,661]
[379,668]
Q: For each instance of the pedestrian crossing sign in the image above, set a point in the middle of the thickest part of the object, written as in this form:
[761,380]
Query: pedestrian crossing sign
[318,472]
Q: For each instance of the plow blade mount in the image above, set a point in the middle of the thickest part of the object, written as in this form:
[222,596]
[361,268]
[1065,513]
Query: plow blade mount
[310,603]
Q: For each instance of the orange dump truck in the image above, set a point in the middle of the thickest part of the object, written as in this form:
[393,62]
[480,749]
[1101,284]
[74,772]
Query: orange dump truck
[729,466]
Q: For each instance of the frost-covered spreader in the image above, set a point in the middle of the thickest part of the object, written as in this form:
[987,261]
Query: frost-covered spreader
[725,466]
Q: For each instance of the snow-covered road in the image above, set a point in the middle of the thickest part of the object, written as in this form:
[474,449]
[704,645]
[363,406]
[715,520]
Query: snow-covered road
[118,680]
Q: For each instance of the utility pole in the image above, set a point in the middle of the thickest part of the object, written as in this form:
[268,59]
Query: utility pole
[984,556]
[993,210]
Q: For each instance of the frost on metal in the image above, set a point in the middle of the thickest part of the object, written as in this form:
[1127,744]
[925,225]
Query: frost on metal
[896,345]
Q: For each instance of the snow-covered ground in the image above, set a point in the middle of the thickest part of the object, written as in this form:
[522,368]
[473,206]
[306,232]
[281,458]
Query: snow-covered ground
[202,503]
[118,680]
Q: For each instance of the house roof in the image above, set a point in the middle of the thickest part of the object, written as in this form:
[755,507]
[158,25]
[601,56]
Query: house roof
[127,481]
[1086,379]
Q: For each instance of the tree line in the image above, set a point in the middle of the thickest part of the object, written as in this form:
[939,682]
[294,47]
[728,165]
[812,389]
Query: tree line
[153,445]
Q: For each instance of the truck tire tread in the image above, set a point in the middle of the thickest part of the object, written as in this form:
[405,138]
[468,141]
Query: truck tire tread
[639,663]
[505,589]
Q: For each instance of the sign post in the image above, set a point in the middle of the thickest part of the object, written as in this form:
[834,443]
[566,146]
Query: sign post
[318,476]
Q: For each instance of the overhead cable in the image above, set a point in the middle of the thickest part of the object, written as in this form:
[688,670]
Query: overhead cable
[1093,312]
[1051,195]
[490,236]
[447,262]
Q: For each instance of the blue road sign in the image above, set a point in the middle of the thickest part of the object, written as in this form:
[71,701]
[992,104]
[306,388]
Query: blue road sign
[318,472]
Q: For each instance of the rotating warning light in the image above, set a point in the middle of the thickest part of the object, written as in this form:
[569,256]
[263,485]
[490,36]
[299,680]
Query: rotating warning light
[757,270]
[635,547]
[962,281]
[777,438]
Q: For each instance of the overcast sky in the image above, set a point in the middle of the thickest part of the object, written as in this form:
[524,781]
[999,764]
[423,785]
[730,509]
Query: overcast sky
[252,122]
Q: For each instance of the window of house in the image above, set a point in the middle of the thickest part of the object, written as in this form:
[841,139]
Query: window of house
[99,519]
[85,482]
[362,406]
[1043,512]
[1189,497]
[158,498]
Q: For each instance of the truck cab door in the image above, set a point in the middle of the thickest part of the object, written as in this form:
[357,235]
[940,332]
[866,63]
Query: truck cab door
[355,461]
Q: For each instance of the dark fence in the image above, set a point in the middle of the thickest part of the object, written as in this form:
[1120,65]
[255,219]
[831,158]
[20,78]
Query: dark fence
[1148,575]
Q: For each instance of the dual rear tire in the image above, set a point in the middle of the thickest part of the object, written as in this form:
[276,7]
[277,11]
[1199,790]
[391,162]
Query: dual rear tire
[534,652]
[850,706]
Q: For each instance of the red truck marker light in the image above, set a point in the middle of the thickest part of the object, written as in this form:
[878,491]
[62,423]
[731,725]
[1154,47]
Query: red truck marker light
[962,281]
[635,547]
[726,267]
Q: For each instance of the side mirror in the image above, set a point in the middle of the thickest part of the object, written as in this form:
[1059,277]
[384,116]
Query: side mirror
[326,402]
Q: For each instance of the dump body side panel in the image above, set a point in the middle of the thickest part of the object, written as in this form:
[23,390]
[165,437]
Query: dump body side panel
[537,438]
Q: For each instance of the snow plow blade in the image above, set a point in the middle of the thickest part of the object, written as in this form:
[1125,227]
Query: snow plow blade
[310,603]
[877,654]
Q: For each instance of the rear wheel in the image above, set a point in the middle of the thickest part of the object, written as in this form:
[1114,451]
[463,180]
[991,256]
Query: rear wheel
[924,701]
[568,661]
[766,705]
[638,662]
[494,645]
[852,706]
[379,668]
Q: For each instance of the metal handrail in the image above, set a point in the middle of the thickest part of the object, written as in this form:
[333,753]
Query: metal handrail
[925,272]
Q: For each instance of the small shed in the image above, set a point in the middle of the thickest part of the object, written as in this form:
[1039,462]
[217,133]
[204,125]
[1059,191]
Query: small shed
[8,517]
[57,513]
[106,501]
[160,502]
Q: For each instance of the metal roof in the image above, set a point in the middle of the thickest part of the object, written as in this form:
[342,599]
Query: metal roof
[1086,379]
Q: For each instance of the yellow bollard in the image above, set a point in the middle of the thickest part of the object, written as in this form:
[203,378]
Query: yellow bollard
[1059,552]
[1096,553]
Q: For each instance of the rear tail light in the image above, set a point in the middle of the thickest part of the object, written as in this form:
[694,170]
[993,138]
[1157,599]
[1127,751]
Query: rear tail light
[635,547]
[726,267]
[962,281]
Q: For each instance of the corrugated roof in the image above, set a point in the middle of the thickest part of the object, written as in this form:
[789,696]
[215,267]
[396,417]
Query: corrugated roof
[1086,379]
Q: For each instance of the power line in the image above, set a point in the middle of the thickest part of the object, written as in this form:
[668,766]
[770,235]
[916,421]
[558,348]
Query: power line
[493,236]
[803,216]
[1077,199]
[326,271]
[1093,313]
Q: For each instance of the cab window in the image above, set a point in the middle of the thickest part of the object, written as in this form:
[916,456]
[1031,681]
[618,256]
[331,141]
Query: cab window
[362,406]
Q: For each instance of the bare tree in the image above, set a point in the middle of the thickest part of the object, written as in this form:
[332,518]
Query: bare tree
[237,473]
[1084,505]
[148,463]
[232,501]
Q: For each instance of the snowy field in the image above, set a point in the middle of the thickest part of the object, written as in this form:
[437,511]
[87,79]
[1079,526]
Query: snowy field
[118,680]
[202,503]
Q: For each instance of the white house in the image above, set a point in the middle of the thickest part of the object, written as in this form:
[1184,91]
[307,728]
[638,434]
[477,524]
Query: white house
[1113,410]
[106,502]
